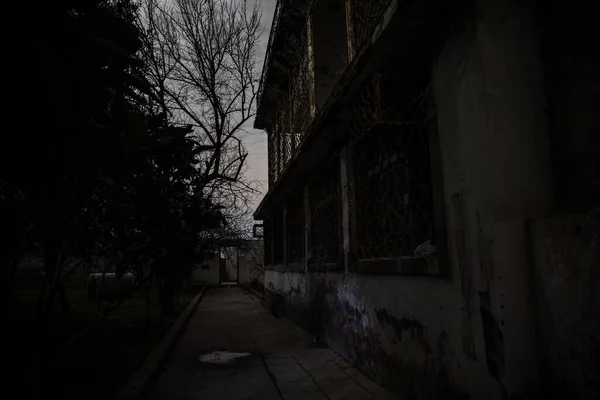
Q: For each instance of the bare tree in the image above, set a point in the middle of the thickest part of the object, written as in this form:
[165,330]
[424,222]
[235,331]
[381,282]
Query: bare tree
[201,58]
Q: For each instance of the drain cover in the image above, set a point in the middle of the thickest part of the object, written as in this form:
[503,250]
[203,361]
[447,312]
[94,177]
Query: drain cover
[221,357]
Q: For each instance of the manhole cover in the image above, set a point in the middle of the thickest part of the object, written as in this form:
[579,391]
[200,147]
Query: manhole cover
[221,357]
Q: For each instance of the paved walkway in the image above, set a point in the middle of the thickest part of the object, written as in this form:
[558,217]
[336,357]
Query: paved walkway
[281,365]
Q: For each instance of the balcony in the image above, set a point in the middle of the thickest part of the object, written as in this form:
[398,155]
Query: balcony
[312,76]
[320,39]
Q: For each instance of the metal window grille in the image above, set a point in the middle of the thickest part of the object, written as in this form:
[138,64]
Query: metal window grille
[295,230]
[283,131]
[390,173]
[293,113]
[325,215]
[365,109]
[278,243]
[300,91]
[366,15]
[272,158]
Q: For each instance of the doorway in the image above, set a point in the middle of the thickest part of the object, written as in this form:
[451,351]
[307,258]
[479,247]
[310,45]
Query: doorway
[229,266]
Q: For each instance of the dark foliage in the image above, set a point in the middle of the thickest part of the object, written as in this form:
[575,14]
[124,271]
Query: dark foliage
[93,170]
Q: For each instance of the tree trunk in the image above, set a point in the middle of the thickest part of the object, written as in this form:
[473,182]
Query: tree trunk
[52,266]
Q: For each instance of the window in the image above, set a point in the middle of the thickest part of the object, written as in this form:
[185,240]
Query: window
[390,168]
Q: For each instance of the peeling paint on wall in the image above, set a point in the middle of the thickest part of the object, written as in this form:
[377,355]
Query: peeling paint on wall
[404,328]
[466,283]
[397,351]
[494,341]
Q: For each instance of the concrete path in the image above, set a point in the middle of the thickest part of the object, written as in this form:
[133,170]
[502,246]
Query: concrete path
[281,365]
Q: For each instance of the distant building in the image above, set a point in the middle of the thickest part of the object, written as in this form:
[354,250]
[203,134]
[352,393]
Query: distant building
[433,172]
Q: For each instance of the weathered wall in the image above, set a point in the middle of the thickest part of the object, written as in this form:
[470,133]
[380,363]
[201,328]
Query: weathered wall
[247,270]
[566,278]
[489,86]
[207,273]
[402,331]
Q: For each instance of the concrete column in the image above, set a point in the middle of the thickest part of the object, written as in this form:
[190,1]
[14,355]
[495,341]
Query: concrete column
[307,235]
[489,86]
[345,210]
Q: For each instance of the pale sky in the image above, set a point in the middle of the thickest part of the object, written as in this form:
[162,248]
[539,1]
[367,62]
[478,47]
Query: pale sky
[256,140]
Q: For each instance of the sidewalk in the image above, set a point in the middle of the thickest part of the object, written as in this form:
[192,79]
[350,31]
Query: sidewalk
[281,363]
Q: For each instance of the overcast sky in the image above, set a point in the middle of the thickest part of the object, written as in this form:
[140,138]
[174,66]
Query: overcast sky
[256,140]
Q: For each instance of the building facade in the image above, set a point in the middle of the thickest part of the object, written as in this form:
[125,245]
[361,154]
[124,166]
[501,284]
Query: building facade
[434,183]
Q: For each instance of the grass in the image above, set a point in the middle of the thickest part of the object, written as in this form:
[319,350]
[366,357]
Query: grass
[98,364]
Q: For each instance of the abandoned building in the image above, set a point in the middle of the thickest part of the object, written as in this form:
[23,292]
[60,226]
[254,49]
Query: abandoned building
[434,182]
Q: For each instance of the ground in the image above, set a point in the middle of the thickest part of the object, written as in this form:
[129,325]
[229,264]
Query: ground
[100,362]
[282,364]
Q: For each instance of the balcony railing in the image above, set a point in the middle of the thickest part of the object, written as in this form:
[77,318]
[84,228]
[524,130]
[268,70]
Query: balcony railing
[366,16]
[292,114]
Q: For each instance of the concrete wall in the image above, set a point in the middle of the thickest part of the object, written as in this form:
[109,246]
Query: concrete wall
[248,269]
[566,278]
[402,331]
[207,273]
[489,86]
